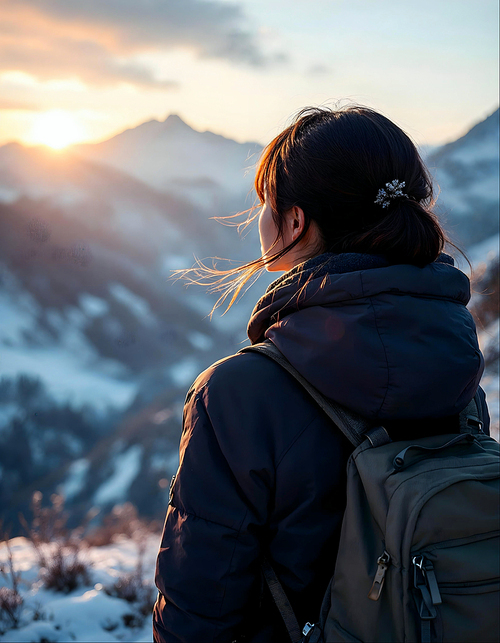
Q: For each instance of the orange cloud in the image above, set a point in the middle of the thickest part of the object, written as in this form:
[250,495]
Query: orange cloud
[93,40]
[18,105]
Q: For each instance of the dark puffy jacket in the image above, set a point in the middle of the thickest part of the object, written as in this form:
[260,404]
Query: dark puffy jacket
[262,470]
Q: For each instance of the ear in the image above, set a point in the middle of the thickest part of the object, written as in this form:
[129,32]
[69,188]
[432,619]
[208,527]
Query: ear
[297,222]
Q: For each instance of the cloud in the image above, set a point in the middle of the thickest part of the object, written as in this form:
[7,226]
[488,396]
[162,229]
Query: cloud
[95,40]
[17,105]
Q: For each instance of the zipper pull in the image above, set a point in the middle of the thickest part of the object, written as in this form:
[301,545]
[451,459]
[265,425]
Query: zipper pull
[383,563]
[428,576]
[171,491]
[428,569]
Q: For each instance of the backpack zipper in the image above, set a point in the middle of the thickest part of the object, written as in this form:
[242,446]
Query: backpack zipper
[383,563]
[424,579]
[426,572]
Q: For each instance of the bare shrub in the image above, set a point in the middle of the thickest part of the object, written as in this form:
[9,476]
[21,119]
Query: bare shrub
[122,521]
[11,601]
[57,548]
[132,588]
[64,571]
[48,524]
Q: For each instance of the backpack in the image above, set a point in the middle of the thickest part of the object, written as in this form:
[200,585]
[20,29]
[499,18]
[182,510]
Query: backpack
[419,552]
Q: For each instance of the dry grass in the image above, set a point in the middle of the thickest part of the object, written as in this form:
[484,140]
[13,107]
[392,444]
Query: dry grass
[122,521]
[58,550]
[11,601]
[132,587]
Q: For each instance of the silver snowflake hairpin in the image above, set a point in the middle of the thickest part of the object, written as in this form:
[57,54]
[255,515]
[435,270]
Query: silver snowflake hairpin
[393,190]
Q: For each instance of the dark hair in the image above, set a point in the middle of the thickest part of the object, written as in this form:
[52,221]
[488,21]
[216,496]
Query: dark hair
[332,163]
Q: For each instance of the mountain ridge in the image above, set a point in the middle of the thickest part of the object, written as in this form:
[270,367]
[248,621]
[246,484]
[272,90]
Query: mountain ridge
[160,153]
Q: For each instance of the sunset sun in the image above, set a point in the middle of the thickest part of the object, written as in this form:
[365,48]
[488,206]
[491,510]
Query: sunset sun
[57,129]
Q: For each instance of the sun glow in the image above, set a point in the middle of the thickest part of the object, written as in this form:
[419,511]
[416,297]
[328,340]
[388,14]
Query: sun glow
[57,129]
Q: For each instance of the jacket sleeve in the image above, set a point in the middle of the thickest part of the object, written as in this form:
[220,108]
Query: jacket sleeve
[207,569]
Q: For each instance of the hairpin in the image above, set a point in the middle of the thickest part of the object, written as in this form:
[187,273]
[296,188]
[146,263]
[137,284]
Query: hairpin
[393,190]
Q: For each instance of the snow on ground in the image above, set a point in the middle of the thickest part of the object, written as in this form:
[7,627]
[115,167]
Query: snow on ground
[86,613]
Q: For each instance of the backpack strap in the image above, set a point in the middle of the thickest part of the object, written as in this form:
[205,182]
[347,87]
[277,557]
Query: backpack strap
[282,602]
[353,426]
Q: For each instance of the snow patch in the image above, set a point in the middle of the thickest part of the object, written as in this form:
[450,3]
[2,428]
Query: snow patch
[477,150]
[75,480]
[18,310]
[66,378]
[486,251]
[174,262]
[125,469]
[185,371]
[480,255]
[137,305]
[7,413]
[200,340]
[75,316]
[93,306]
[87,613]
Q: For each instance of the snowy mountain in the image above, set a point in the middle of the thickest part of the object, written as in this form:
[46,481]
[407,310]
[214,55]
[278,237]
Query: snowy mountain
[91,327]
[98,347]
[209,169]
[467,175]
[171,156]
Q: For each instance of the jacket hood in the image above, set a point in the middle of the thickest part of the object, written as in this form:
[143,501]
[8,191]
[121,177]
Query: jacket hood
[387,341]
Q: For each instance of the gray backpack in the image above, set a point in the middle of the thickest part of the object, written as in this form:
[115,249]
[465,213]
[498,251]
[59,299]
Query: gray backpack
[419,553]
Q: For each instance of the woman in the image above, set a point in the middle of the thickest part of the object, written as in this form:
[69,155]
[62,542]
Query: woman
[373,314]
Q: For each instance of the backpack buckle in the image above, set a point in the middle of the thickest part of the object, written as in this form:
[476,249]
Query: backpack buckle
[378,436]
[311,634]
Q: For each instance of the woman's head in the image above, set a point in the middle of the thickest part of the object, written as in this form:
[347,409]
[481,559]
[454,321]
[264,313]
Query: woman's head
[319,181]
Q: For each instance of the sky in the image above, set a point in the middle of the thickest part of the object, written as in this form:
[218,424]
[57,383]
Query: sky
[84,70]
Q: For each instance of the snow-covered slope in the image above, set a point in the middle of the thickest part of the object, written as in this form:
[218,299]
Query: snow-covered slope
[485,306]
[90,318]
[171,156]
[467,175]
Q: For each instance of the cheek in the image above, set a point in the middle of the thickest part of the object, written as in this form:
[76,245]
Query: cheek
[267,231]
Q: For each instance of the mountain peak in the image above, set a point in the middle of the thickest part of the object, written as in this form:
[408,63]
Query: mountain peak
[174,121]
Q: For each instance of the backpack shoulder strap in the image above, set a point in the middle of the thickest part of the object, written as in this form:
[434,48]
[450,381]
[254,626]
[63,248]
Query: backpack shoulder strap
[282,602]
[353,426]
